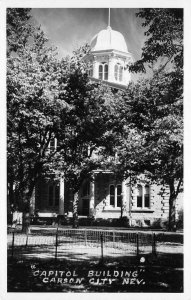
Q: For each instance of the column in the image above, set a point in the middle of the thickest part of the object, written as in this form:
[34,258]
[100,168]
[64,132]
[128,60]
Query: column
[95,68]
[61,199]
[92,196]
[111,68]
[143,195]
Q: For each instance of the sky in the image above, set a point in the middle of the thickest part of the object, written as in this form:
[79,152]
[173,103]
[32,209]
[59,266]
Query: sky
[69,28]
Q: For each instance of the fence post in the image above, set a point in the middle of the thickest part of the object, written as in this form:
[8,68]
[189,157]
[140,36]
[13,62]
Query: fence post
[154,244]
[137,245]
[27,239]
[13,240]
[56,245]
[113,237]
[101,237]
[85,237]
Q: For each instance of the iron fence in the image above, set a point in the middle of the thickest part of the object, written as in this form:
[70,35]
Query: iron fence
[84,244]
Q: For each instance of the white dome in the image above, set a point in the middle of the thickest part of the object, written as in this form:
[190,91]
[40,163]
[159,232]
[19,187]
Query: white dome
[108,39]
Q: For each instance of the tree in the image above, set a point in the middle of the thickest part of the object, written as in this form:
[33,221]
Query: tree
[151,141]
[164,39]
[18,28]
[151,114]
[34,111]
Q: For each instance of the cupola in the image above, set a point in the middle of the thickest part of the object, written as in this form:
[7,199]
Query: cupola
[109,57]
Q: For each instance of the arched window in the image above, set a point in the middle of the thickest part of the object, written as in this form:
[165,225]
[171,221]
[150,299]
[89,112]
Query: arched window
[147,196]
[100,71]
[118,72]
[139,196]
[103,71]
[119,197]
[115,194]
[143,196]
[90,71]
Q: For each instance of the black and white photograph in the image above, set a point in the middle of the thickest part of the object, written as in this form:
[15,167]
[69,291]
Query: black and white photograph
[94,149]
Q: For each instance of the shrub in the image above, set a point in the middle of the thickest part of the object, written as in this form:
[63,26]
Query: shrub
[124,221]
[180,220]
[159,224]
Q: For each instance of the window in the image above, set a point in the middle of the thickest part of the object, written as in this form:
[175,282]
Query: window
[147,196]
[106,72]
[143,196]
[118,72]
[103,71]
[58,145]
[100,71]
[53,144]
[139,195]
[119,191]
[112,195]
[115,195]
[53,195]
[90,71]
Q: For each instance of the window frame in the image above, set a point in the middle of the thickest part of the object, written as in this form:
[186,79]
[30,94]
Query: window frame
[52,146]
[90,71]
[142,196]
[103,71]
[118,72]
[116,196]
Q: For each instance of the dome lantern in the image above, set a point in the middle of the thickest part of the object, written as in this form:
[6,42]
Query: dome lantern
[109,57]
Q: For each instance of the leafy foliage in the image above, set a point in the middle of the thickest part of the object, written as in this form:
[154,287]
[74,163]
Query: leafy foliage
[153,138]
[18,28]
[164,43]
[33,110]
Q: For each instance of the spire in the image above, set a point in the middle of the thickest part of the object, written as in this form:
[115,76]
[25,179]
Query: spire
[109,27]
[109,18]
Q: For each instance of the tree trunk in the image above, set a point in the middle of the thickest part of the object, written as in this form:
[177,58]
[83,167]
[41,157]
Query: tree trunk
[27,209]
[26,222]
[172,208]
[75,210]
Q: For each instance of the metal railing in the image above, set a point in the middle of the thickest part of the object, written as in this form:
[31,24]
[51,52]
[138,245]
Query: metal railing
[83,244]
